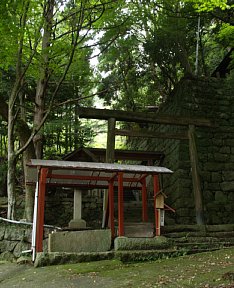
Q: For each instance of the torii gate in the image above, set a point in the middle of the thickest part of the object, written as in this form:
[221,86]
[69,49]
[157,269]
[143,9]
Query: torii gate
[145,117]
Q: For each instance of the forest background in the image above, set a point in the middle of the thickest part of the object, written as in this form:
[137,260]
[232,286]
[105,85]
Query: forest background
[57,55]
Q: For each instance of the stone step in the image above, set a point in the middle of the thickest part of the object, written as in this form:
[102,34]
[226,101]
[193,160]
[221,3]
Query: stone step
[139,229]
[192,234]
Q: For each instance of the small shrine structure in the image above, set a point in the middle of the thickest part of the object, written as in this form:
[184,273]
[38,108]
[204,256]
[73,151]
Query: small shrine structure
[92,175]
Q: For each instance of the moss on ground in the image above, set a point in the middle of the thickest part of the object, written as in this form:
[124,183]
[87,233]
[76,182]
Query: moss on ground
[201,270]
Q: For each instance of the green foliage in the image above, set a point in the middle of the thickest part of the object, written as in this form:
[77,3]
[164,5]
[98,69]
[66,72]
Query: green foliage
[209,5]
[226,35]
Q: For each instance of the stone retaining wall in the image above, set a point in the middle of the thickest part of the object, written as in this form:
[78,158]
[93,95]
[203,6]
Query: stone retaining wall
[205,98]
[59,208]
[13,240]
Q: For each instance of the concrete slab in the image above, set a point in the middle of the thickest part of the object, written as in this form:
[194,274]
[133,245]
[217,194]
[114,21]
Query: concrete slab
[80,241]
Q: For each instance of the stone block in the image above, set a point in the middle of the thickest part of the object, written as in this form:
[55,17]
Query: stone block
[231,197]
[2,231]
[14,232]
[7,256]
[225,150]
[125,243]
[7,245]
[206,176]
[138,229]
[213,186]
[227,186]
[21,246]
[77,224]
[228,176]
[219,157]
[80,241]
[220,197]
[214,166]
[216,177]
[183,212]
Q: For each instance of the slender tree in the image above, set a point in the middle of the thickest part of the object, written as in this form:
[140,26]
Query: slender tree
[47,36]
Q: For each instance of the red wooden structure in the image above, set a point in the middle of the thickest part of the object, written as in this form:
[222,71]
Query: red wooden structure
[90,175]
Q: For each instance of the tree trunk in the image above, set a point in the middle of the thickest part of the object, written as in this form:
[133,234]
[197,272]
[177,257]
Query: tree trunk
[24,133]
[44,77]
[11,158]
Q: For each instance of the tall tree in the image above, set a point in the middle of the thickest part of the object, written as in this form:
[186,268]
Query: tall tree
[46,35]
[158,47]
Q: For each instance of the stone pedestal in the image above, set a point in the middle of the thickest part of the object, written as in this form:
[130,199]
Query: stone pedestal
[80,241]
[77,222]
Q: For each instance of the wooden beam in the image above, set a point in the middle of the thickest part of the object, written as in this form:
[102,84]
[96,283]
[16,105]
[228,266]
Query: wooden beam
[151,134]
[195,176]
[141,117]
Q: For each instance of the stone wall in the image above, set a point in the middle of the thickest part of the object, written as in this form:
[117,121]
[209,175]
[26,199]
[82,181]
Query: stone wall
[205,98]
[59,207]
[14,239]
[17,238]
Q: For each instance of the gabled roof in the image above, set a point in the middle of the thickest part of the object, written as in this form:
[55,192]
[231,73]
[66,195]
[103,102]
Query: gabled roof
[99,155]
[90,175]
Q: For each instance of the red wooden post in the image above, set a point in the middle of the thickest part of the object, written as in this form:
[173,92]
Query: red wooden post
[144,201]
[120,204]
[111,208]
[40,210]
[157,213]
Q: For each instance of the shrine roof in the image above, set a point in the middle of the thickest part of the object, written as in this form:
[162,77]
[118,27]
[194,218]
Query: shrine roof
[91,175]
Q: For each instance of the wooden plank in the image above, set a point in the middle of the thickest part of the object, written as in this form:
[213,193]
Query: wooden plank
[142,117]
[151,134]
[195,176]
[159,201]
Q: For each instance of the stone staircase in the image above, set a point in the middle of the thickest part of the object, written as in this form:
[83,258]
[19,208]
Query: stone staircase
[139,229]
[133,225]
[199,238]
[181,239]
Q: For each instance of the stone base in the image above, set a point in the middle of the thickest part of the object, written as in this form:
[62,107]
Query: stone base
[77,224]
[80,241]
[126,243]
[139,229]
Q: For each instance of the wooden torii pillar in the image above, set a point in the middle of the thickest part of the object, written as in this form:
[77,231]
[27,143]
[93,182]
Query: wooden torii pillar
[110,157]
[196,176]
